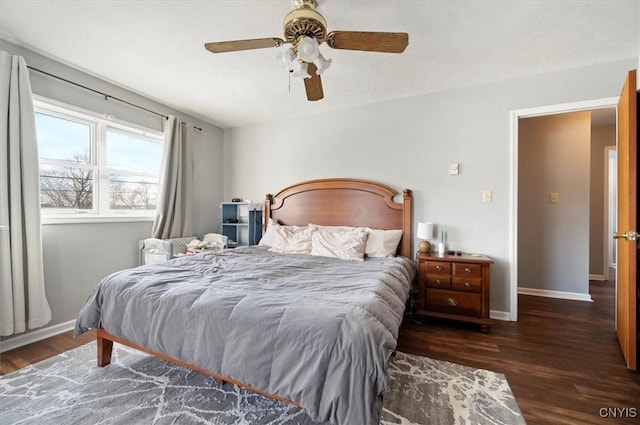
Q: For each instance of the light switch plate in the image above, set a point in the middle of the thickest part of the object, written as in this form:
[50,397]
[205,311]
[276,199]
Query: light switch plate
[554,198]
[487,196]
[454,169]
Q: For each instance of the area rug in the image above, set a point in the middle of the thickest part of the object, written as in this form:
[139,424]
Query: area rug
[140,389]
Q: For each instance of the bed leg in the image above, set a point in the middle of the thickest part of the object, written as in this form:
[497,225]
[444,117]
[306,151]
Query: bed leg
[104,350]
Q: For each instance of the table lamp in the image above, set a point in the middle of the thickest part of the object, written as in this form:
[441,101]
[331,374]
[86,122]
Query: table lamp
[425,232]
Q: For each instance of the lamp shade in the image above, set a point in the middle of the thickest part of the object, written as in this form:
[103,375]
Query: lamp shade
[425,230]
[288,57]
[299,69]
[308,49]
[322,64]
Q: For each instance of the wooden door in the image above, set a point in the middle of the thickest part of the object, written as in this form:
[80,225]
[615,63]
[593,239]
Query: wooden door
[626,298]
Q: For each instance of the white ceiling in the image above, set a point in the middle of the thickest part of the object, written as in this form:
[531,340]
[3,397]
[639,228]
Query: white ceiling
[155,48]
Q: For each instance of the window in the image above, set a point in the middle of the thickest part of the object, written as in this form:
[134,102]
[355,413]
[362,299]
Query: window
[92,167]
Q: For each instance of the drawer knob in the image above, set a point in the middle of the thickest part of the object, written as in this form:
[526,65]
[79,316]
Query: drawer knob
[438,282]
[439,268]
[467,285]
[452,302]
[467,269]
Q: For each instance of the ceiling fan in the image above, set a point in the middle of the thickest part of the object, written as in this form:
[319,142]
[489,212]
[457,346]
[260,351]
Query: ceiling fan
[305,29]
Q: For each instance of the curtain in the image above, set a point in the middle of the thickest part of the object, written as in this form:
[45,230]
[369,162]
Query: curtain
[23,304]
[173,217]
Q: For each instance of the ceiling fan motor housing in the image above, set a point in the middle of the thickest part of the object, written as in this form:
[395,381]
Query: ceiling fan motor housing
[304,21]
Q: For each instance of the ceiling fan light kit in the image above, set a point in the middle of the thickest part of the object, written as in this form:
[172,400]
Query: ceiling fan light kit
[307,52]
[305,29]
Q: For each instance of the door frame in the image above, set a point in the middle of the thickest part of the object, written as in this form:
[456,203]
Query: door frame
[609,102]
[609,242]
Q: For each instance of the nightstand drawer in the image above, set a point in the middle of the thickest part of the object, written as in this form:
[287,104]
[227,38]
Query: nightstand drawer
[454,287]
[472,284]
[442,282]
[454,302]
[467,269]
[438,267]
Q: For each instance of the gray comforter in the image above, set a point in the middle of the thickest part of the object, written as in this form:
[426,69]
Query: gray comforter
[314,330]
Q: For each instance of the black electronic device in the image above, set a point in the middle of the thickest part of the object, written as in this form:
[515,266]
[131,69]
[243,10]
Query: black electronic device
[231,220]
[236,200]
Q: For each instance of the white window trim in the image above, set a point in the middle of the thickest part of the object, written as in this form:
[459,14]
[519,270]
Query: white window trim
[101,213]
[76,219]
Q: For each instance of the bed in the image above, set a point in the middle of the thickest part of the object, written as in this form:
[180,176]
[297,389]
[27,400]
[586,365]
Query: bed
[312,330]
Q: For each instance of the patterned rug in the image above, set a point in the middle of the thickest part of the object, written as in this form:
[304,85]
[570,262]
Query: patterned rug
[140,389]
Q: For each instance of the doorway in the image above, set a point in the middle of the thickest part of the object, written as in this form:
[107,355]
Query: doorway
[515,173]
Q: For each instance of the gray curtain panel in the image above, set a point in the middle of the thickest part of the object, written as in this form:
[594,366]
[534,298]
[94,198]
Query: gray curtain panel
[173,217]
[23,304]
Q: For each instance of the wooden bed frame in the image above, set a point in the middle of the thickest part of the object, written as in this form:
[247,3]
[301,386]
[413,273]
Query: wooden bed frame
[329,202]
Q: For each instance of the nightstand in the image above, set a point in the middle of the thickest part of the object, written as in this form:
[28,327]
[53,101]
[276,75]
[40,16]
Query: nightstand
[454,287]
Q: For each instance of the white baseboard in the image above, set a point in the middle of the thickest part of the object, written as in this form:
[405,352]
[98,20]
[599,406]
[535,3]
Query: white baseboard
[599,277]
[576,296]
[34,336]
[500,315]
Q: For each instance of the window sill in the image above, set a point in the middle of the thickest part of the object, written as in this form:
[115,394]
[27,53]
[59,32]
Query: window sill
[88,220]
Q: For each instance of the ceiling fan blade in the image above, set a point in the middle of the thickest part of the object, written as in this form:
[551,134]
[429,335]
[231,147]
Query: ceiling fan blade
[313,85]
[235,45]
[385,42]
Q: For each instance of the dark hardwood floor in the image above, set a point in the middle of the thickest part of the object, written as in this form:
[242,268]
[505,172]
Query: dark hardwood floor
[561,358]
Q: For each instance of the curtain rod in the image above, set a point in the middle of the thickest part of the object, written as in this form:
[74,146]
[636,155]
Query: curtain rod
[106,95]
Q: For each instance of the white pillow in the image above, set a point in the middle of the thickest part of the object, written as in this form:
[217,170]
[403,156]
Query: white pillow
[270,234]
[267,237]
[315,227]
[342,244]
[291,240]
[382,243]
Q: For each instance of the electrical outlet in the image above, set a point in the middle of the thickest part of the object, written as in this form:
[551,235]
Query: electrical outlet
[454,169]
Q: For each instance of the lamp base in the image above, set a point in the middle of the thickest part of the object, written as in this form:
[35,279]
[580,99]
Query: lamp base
[425,247]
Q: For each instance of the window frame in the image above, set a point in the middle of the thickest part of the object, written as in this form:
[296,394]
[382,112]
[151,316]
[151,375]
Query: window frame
[99,124]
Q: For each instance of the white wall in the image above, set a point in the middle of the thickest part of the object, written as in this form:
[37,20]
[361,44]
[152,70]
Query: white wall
[409,143]
[553,238]
[77,256]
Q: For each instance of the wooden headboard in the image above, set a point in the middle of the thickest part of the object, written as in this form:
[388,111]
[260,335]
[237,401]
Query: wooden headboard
[343,202]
